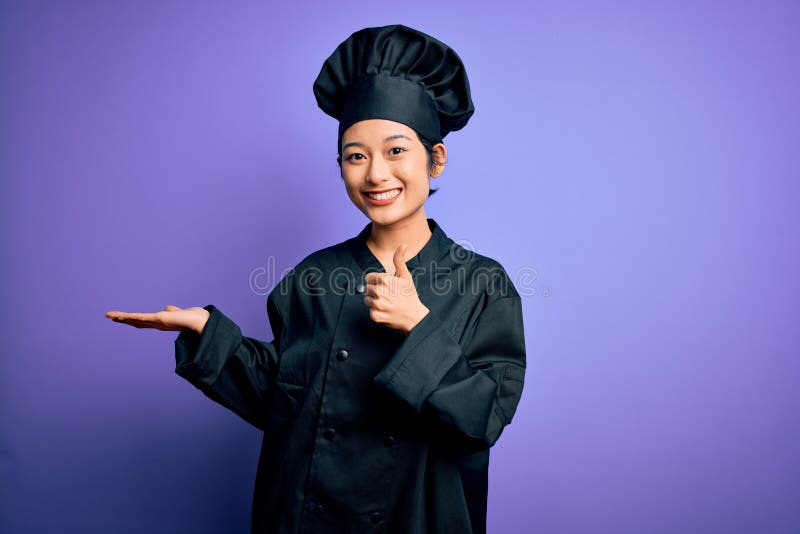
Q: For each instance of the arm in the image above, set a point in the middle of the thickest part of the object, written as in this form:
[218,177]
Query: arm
[473,389]
[235,371]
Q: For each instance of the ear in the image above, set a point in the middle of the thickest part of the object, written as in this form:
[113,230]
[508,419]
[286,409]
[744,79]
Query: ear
[439,159]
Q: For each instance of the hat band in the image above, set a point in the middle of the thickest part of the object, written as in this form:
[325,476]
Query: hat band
[393,98]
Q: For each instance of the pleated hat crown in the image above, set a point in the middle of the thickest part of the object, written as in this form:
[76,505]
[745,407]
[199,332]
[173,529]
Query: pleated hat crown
[395,73]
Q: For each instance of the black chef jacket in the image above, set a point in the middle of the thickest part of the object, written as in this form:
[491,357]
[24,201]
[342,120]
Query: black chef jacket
[367,429]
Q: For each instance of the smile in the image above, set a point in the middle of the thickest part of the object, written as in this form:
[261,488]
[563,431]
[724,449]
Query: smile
[384,196]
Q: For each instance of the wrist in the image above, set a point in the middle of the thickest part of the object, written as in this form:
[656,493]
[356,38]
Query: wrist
[198,329]
[423,311]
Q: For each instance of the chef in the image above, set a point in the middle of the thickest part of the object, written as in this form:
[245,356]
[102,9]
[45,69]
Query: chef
[398,356]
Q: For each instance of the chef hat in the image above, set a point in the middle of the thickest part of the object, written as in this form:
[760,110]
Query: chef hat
[395,73]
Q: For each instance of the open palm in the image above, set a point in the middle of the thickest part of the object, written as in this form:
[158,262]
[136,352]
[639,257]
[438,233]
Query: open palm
[170,318]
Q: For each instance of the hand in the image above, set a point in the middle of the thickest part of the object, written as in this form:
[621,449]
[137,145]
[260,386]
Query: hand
[393,300]
[171,318]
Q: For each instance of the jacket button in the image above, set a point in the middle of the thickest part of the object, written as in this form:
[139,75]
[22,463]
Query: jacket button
[389,441]
[376,517]
[342,355]
[329,433]
[315,507]
[360,288]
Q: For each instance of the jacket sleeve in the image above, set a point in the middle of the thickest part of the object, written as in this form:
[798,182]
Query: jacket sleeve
[471,391]
[235,371]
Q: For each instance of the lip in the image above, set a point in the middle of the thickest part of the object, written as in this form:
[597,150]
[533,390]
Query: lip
[383,202]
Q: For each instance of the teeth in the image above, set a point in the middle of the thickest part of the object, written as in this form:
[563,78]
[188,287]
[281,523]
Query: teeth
[384,196]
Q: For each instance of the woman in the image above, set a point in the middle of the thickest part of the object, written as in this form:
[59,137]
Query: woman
[398,356]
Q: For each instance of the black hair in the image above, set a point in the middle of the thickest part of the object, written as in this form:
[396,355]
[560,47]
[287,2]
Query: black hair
[422,139]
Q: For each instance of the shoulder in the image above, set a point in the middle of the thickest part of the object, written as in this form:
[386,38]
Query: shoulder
[324,260]
[483,274]
[311,269]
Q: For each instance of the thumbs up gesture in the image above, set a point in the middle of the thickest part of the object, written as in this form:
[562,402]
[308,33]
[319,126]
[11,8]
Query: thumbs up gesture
[393,300]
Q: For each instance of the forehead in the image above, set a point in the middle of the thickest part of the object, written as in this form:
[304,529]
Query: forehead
[372,131]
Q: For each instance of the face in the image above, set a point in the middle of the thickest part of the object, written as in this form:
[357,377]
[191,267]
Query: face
[383,156]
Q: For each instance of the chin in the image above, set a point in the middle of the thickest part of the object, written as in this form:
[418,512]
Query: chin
[382,218]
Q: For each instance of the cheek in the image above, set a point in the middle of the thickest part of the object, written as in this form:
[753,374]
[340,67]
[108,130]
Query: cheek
[348,177]
[351,185]
[415,173]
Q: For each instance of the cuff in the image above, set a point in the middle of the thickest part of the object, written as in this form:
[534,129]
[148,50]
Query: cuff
[428,354]
[199,358]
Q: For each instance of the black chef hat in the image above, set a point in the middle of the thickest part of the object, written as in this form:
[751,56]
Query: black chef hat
[395,73]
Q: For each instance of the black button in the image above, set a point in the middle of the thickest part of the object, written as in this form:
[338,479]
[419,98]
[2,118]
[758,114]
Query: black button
[376,517]
[342,355]
[329,433]
[360,288]
[389,441]
[315,507]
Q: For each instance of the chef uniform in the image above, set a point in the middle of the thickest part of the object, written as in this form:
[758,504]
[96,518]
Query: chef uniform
[367,429]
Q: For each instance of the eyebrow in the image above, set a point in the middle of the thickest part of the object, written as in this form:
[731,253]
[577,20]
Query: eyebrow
[391,137]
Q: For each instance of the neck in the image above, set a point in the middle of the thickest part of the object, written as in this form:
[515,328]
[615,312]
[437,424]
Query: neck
[384,239]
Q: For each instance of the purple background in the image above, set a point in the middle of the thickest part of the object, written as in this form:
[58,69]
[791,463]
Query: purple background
[641,157]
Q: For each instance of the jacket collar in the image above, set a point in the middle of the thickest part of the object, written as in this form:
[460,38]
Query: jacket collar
[437,247]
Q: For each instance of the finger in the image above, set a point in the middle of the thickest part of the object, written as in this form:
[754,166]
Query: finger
[134,323]
[116,314]
[146,317]
[378,279]
[145,324]
[400,263]
[398,286]
[372,291]
[374,304]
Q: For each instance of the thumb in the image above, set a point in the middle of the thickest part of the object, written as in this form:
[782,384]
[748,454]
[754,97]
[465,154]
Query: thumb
[399,262]
[170,307]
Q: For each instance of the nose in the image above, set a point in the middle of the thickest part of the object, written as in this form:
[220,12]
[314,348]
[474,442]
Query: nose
[378,170]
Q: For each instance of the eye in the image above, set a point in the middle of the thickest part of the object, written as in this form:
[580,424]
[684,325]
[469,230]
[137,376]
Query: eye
[398,149]
[354,156]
